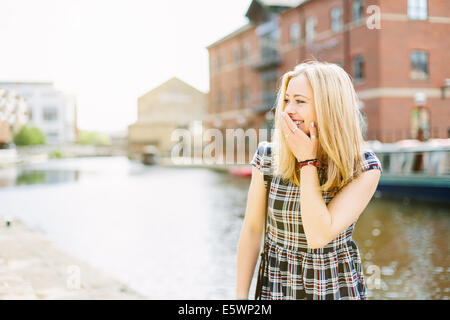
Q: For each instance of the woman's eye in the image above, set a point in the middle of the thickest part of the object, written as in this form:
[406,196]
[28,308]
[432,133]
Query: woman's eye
[298,101]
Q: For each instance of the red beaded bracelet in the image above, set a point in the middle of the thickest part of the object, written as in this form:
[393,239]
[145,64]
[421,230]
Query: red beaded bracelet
[313,162]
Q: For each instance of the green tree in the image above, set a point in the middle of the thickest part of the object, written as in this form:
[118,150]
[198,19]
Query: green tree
[93,138]
[28,136]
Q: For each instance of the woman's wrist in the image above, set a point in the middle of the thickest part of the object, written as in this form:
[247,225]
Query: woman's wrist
[310,166]
[308,159]
[300,160]
[310,162]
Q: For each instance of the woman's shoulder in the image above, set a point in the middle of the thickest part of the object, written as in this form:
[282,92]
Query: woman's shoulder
[369,160]
[265,148]
[263,156]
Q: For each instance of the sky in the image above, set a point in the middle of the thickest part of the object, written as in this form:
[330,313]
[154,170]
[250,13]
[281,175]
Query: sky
[107,53]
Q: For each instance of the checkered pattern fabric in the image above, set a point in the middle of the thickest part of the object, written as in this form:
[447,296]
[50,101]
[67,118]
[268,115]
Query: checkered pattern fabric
[294,271]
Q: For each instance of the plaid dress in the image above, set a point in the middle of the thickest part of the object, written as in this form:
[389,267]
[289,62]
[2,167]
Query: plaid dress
[294,271]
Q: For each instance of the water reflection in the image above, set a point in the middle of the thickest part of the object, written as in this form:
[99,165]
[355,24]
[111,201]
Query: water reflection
[27,177]
[406,242]
[172,232]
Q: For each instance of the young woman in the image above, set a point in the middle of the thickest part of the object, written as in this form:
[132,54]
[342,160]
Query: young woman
[313,208]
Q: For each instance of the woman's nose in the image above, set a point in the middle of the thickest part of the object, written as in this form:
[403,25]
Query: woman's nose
[289,110]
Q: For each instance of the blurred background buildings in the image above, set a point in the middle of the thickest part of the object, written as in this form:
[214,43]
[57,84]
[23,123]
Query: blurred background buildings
[46,108]
[393,50]
[117,214]
[172,105]
[400,71]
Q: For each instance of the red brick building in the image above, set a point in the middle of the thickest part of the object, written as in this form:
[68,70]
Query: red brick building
[397,53]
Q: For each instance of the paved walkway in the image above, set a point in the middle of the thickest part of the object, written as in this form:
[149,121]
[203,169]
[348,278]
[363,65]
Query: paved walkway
[32,267]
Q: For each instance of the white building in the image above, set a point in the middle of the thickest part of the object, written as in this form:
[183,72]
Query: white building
[50,110]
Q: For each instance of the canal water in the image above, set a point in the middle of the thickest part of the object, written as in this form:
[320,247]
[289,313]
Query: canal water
[172,233]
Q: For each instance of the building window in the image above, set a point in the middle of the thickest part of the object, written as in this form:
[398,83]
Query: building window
[236,56]
[50,113]
[223,100]
[48,94]
[358,68]
[27,95]
[236,97]
[246,51]
[418,9]
[294,33]
[419,65]
[246,95]
[336,19]
[216,103]
[311,29]
[357,10]
[52,134]
[220,62]
[214,65]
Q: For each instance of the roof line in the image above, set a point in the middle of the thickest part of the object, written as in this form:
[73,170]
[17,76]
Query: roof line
[241,29]
[26,82]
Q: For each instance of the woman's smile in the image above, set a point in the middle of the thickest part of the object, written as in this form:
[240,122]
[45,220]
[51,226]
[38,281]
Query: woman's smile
[298,123]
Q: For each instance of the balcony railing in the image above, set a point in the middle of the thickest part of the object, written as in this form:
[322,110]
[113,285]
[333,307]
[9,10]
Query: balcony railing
[268,102]
[269,58]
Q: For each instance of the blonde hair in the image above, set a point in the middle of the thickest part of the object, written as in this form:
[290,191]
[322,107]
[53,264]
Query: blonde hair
[339,124]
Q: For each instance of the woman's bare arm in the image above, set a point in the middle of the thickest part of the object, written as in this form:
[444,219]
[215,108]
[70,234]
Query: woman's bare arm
[323,223]
[251,234]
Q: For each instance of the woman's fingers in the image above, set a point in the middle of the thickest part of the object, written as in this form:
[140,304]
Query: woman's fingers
[285,127]
[288,121]
[313,130]
[291,126]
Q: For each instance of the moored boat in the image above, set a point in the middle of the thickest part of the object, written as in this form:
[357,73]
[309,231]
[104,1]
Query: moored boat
[150,155]
[414,169]
[241,171]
